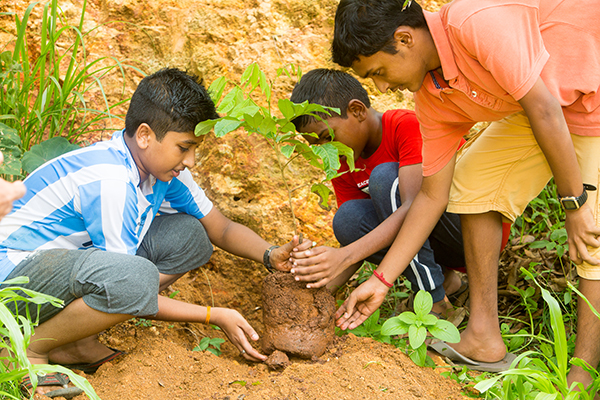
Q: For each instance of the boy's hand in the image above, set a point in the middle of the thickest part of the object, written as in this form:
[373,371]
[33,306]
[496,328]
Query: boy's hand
[236,328]
[319,265]
[361,303]
[582,232]
[280,257]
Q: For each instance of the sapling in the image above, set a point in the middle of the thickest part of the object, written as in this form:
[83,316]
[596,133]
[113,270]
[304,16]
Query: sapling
[239,109]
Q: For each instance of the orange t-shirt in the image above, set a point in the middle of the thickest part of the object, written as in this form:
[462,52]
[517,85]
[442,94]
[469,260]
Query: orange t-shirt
[492,52]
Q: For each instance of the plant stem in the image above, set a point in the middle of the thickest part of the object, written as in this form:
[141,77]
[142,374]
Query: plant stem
[287,187]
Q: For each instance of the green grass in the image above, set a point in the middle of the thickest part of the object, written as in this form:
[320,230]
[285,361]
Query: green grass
[46,87]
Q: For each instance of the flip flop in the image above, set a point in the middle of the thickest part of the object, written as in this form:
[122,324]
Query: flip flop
[464,285]
[458,359]
[56,379]
[93,367]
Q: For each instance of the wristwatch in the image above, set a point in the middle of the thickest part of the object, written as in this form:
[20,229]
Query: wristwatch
[575,202]
[267,258]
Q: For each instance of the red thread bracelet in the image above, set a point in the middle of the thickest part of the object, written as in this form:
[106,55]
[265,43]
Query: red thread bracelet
[382,279]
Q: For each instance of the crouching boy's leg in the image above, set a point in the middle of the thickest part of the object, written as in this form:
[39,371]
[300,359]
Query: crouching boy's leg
[176,244]
[99,289]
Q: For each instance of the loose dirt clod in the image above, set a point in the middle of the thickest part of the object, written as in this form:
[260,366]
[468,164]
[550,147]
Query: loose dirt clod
[278,361]
[298,321]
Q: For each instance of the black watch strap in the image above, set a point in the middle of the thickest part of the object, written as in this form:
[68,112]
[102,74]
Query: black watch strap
[575,202]
[267,258]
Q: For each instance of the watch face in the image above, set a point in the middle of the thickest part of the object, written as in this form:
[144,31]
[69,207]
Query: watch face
[570,203]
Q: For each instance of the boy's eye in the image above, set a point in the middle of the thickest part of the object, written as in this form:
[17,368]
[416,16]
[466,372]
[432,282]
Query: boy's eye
[183,149]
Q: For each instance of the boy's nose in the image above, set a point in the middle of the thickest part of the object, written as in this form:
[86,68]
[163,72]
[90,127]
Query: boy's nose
[381,85]
[190,159]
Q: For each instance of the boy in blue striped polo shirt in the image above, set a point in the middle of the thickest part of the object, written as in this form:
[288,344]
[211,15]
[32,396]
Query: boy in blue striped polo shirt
[107,227]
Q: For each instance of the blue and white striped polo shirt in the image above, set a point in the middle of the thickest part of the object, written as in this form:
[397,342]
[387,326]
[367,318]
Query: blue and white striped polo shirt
[92,197]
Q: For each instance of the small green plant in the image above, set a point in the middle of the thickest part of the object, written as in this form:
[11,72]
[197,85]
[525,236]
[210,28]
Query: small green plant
[45,87]
[210,344]
[372,328]
[143,322]
[15,335]
[543,374]
[417,324]
[240,110]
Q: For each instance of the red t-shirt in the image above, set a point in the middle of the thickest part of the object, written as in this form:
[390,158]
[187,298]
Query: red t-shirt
[400,142]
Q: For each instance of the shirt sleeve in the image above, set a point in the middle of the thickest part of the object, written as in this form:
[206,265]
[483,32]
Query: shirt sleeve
[345,188]
[506,40]
[185,196]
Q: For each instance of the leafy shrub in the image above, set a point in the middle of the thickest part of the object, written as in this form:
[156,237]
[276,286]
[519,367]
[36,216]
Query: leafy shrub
[43,89]
[15,335]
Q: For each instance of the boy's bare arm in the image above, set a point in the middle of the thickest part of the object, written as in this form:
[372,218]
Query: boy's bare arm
[323,264]
[244,242]
[423,215]
[552,135]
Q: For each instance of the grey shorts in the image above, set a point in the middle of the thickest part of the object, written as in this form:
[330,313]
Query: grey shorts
[117,283]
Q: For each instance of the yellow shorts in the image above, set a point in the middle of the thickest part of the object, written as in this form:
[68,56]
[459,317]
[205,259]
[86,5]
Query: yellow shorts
[502,169]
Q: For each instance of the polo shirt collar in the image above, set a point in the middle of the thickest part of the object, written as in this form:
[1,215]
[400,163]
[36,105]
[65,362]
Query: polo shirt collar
[134,172]
[442,44]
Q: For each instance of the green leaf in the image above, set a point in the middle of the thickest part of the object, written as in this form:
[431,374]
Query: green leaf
[205,127]
[323,192]
[408,317]
[45,151]
[254,121]
[445,330]
[224,126]
[216,89]
[9,136]
[344,150]
[423,303]
[287,108]
[328,153]
[419,356]
[12,161]
[416,336]
[287,150]
[429,319]
[394,326]
[231,99]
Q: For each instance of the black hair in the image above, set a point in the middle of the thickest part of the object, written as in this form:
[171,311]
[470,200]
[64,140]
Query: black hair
[327,87]
[169,100]
[364,27]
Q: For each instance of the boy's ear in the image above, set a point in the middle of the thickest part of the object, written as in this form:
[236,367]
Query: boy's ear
[358,109]
[143,135]
[404,36]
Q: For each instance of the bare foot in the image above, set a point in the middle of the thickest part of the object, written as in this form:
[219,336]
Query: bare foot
[485,346]
[577,374]
[84,351]
[452,281]
[443,307]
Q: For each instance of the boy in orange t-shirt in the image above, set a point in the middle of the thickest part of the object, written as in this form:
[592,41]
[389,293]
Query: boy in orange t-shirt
[531,67]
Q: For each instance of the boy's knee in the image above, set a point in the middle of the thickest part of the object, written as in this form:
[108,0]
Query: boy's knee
[382,179]
[131,289]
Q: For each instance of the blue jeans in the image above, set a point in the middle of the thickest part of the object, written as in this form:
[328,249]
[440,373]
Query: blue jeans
[355,218]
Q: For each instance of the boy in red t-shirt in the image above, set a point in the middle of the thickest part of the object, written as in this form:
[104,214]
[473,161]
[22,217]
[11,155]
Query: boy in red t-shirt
[374,199]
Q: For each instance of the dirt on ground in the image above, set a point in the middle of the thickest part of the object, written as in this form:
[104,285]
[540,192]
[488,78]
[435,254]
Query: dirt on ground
[213,38]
